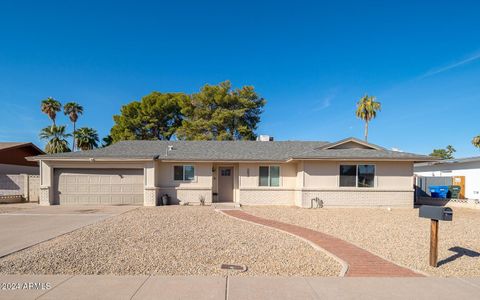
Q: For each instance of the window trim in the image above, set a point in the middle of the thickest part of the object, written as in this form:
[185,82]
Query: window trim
[183,173]
[356,175]
[269,178]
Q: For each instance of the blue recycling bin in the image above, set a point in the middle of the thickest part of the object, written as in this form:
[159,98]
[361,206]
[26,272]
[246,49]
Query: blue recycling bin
[438,191]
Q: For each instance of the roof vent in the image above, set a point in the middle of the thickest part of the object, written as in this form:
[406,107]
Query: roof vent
[264,138]
[169,148]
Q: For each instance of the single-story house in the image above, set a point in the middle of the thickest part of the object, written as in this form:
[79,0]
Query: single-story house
[349,172]
[464,172]
[14,166]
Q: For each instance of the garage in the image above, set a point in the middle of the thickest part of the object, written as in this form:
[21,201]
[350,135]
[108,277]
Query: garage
[98,186]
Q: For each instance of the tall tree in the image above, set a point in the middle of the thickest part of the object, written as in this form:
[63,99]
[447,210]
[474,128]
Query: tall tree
[219,112]
[476,141]
[156,117]
[367,109]
[73,110]
[107,141]
[446,153]
[87,138]
[50,107]
[56,138]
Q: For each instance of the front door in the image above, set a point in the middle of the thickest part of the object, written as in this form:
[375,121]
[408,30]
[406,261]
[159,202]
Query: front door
[225,184]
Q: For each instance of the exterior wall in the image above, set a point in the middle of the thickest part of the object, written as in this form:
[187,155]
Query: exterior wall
[388,175]
[11,184]
[250,193]
[12,178]
[471,171]
[393,185]
[257,196]
[16,156]
[190,191]
[359,198]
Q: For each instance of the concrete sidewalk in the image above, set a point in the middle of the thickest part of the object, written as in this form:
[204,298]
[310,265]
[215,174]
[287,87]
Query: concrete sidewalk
[195,287]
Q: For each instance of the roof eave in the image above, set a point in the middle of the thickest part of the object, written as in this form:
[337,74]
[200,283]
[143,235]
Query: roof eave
[101,159]
[224,160]
[361,159]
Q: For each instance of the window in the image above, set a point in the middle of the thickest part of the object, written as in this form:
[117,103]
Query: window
[184,173]
[366,175]
[269,176]
[225,172]
[357,176]
[348,175]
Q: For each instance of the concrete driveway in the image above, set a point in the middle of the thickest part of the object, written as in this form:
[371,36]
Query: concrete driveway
[20,229]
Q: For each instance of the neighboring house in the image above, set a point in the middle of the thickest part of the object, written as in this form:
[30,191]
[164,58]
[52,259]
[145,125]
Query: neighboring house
[345,173]
[464,172]
[13,165]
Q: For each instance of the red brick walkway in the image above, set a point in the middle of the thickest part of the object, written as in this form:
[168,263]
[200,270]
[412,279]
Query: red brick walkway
[361,263]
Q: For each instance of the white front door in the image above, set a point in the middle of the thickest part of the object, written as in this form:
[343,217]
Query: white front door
[225,184]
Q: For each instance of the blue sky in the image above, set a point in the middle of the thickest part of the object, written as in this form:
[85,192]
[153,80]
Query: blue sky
[312,61]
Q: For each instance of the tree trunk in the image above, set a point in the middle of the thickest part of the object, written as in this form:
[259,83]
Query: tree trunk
[366,131]
[73,145]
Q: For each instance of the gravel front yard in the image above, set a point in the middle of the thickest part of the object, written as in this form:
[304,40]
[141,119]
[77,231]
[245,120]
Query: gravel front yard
[173,240]
[398,235]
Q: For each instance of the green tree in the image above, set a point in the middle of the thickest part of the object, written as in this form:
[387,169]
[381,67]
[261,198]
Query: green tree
[446,153]
[219,112]
[367,109]
[87,138]
[56,138]
[476,141]
[73,110]
[50,107]
[107,141]
[156,117]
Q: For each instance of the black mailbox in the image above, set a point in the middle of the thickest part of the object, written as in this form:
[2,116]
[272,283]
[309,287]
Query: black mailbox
[436,212]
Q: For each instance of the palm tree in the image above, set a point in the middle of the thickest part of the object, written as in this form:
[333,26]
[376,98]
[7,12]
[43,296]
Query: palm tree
[50,107]
[87,138]
[57,139]
[367,109]
[73,110]
[476,141]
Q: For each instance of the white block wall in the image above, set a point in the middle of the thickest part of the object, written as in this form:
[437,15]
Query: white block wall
[267,196]
[359,197]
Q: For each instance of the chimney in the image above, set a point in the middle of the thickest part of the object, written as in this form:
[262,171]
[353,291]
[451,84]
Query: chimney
[264,138]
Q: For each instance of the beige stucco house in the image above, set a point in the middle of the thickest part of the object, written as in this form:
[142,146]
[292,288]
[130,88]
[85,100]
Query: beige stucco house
[349,172]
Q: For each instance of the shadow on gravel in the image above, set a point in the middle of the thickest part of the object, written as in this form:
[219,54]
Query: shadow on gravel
[459,252]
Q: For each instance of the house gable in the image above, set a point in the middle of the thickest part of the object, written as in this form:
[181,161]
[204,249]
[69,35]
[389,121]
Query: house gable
[350,143]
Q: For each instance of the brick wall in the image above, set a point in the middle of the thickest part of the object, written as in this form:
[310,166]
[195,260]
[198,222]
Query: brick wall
[359,197]
[187,194]
[260,196]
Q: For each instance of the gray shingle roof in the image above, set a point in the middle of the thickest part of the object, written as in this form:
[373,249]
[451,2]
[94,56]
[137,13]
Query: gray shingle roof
[232,151]
[197,150]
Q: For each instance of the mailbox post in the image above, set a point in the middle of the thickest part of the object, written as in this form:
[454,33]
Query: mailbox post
[435,214]
[433,243]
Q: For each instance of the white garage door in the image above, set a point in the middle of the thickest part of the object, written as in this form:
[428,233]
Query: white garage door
[99,186]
